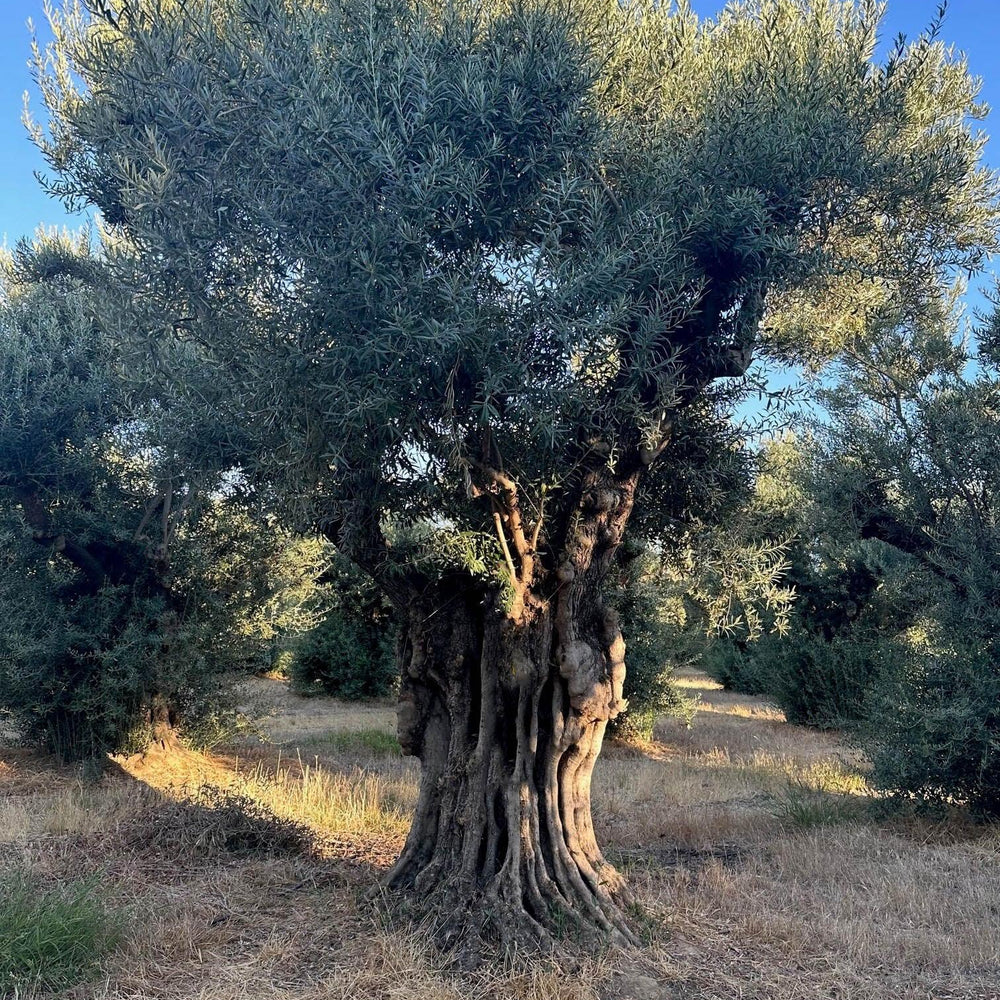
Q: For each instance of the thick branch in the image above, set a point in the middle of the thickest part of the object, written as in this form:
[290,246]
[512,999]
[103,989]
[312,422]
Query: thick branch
[915,542]
[37,516]
[84,561]
[396,577]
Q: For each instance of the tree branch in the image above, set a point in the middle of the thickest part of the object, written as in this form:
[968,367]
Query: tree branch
[498,522]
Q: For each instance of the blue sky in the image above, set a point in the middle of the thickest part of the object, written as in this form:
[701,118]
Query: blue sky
[972,25]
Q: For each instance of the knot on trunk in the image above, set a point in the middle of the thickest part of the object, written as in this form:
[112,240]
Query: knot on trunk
[410,722]
[602,500]
[594,677]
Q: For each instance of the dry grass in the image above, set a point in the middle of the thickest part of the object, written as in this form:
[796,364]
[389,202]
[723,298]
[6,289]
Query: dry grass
[760,869]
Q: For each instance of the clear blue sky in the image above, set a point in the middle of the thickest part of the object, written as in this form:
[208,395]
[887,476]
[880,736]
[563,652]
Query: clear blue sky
[972,25]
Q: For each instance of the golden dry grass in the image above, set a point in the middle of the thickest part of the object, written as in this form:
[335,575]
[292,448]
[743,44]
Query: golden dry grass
[761,871]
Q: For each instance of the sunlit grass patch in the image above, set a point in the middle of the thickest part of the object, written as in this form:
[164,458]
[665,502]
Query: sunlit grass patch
[832,776]
[696,681]
[822,776]
[360,803]
[760,710]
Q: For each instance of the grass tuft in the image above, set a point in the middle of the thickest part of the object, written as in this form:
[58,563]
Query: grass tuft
[51,938]
[807,807]
[373,741]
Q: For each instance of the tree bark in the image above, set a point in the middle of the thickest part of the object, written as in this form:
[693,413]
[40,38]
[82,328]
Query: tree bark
[505,699]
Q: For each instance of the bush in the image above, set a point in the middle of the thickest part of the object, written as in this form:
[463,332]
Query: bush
[814,681]
[344,658]
[51,938]
[840,639]
[824,684]
[75,675]
[734,665]
[932,733]
[351,653]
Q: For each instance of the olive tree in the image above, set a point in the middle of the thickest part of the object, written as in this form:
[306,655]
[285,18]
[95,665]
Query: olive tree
[473,286]
[906,464]
[122,566]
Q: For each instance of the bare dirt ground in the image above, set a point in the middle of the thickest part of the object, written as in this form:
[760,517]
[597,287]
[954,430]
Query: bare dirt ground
[763,870]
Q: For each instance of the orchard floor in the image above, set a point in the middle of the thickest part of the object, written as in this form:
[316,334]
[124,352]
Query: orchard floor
[762,866]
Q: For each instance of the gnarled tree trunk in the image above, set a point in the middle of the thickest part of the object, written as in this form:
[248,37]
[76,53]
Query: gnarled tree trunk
[505,700]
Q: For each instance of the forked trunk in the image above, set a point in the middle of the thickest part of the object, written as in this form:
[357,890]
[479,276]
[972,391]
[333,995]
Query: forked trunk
[507,714]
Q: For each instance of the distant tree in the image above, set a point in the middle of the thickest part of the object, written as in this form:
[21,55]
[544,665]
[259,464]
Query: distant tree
[908,460]
[891,512]
[351,650]
[130,589]
[491,270]
[828,636]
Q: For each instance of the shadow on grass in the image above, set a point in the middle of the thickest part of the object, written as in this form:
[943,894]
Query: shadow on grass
[90,862]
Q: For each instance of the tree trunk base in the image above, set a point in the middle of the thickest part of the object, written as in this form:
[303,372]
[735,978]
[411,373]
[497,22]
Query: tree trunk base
[511,916]
[507,713]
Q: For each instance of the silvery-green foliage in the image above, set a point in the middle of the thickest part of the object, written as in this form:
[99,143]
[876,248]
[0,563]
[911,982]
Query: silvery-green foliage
[889,502]
[368,239]
[909,460]
[128,585]
[827,621]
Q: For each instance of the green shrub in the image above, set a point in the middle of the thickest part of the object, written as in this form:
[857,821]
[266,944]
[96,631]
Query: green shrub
[345,658]
[815,681]
[658,638]
[933,733]
[734,665]
[351,653]
[51,938]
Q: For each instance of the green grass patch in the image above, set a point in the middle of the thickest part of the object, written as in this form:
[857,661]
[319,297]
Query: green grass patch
[807,807]
[374,741]
[52,938]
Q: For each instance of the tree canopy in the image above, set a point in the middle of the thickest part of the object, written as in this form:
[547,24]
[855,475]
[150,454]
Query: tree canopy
[132,587]
[421,243]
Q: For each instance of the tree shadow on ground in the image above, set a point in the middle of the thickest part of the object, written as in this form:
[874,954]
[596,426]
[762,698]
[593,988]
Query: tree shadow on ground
[214,888]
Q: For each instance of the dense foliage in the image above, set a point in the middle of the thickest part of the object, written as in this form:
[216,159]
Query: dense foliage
[351,651]
[818,652]
[911,457]
[443,237]
[894,548]
[130,587]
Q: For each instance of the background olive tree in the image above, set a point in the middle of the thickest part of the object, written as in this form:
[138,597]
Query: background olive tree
[888,503]
[911,454]
[132,588]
